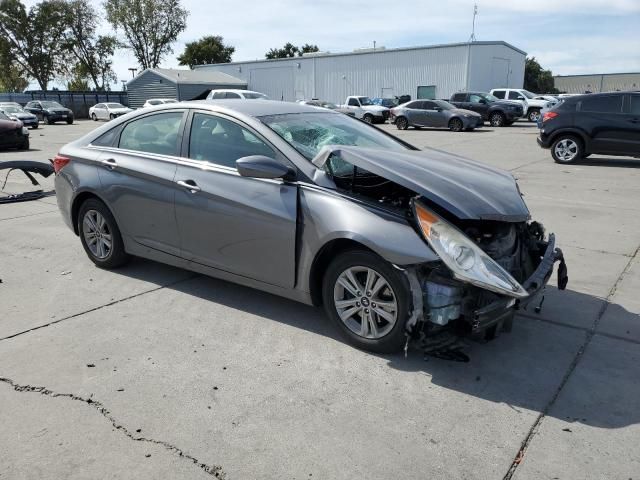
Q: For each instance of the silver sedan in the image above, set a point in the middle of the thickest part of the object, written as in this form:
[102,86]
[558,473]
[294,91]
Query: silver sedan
[312,205]
[435,114]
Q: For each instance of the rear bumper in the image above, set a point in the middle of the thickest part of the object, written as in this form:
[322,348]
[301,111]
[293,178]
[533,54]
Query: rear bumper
[543,140]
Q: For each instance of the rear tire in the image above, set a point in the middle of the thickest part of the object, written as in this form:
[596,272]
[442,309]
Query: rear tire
[533,115]
[100,235]
[25,145]
[49,121]
[384,325]
[34,127]
[567,149]
[402,123]
[455,125]
[497,119]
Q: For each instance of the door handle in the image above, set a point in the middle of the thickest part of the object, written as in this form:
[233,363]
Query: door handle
[189,185]
[109,163]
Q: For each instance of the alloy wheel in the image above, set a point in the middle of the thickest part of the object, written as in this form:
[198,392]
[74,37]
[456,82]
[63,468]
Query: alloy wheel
[365,302]
[566,150]
[97,234]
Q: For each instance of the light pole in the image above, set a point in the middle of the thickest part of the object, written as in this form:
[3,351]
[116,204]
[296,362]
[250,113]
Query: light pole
[133,72]
[124,85]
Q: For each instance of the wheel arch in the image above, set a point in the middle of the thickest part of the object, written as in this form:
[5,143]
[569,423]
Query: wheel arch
[78,200]
[582,136]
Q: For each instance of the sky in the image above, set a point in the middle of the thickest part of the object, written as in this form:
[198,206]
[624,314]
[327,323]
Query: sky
[566,36]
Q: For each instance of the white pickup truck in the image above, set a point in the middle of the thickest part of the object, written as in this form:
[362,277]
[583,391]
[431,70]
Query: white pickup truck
[364,109]
[532,101]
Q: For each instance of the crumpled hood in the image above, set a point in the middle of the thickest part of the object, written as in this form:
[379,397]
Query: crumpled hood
[375,108]
[469,190]
[463,111]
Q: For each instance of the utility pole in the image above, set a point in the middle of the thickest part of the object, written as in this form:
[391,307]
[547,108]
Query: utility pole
[124,85]
[472,38]
[133,72]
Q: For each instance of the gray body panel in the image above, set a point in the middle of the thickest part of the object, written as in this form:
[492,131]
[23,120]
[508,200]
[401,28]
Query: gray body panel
[262,233]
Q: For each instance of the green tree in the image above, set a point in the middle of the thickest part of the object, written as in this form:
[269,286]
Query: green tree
[207,50]
[290,50]
[537,79]
[306,48]
[79,80]
[12,79]
[92,52]
[35,38]
[150,26]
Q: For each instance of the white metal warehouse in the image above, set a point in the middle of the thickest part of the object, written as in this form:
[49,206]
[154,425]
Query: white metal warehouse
[434,71]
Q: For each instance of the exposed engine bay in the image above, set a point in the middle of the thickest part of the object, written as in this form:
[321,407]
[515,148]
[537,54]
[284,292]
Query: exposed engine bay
[444,302]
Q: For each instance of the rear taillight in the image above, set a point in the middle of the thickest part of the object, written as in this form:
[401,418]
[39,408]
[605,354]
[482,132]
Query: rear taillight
[59,162]
[549,116]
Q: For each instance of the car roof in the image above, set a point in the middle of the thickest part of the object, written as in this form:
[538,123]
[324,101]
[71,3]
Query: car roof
[235,90]
[254,108]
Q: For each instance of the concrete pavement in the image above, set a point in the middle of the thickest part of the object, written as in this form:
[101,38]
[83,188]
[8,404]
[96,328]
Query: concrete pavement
[223,380]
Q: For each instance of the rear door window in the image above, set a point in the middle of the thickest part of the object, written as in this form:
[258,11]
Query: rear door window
[232,95]
[429,105]
[602,104]
[153,134]
[459,97]
[499,93]
[512,95]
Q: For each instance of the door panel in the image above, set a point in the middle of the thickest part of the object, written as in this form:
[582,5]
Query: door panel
[242,225]
[138,179]
[607,124]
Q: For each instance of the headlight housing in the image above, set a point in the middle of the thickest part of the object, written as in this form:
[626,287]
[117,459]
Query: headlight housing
[468,262]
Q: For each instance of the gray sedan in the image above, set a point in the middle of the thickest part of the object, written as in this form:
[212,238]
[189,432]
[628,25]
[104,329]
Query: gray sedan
[312,205]
[434,113]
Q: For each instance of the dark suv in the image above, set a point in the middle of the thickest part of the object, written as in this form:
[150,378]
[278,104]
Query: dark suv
[500,113]
[600,123]
[50,112]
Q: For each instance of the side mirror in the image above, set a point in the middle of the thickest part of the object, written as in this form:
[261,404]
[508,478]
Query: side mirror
[260,166]
[438,109]
[520,98]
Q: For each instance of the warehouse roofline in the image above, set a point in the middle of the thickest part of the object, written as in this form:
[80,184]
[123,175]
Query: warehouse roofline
[368,52]
[179,76]
[596,74]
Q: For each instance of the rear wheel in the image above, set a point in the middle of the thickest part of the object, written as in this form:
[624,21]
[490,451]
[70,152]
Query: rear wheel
[34,126]
[496,119]
[25,144]
[111,116]
[49,121]
[368,300]
[100,235]
[533,115]
[455,125]
[567,149]
[402,123]
[368,118]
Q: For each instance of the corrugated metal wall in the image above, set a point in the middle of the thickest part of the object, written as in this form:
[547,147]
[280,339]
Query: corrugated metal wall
[495,66]
[381,73]
[149,85]
[598,83]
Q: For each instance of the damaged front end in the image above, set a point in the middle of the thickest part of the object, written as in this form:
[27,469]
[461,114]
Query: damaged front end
[493,259]
[453,304]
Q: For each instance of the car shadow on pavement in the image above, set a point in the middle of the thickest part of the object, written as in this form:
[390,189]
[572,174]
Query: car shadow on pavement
[523,369]
[616,162]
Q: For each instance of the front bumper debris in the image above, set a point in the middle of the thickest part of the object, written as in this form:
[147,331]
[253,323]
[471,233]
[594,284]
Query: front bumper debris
[28,168]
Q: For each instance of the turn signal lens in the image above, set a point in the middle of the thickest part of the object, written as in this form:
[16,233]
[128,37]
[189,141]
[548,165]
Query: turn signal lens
[425,218]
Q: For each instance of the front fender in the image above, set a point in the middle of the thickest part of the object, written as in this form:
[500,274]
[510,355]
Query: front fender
[326,216]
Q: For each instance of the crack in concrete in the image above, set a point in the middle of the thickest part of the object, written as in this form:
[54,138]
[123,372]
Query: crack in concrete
[114,302]
[574,363]
[28,215]
[213,470]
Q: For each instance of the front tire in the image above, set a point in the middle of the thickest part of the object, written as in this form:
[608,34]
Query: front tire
[455,125]
[111,116]
[49,120]
[368,300]
[567,149]
[402,123]
[100,235]
[25,145]
[69,121]
[368,118]
[94,117]
[34,127]
[497,119]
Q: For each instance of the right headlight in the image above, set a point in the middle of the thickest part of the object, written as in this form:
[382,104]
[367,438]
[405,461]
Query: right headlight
[465,259]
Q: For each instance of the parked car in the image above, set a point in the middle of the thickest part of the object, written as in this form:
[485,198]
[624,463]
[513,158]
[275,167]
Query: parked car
[364,109]
[107,111]
[385,102]
[152,102]
[533,103]
[600,123]
[314,206]
[18,113]
[329,105]
[434,113]
[50,112]
[235,94]
[13,134]
[498,112]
